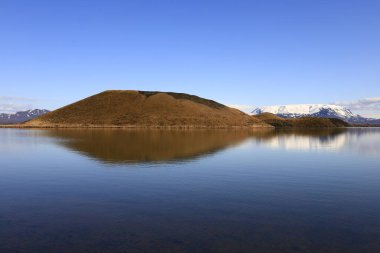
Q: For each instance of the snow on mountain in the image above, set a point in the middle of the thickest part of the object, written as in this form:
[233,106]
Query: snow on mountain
[315,110]
[18,117]
[318,110]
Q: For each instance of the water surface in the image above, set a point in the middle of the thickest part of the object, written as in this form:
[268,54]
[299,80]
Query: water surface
[189,191]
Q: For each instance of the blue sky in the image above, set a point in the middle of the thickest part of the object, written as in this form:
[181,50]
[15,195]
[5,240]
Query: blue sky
[237,52]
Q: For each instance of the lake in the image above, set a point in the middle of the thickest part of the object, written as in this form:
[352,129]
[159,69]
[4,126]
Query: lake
[113,190]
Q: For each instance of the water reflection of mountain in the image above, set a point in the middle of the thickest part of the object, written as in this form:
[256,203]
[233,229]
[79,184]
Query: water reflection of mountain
[132,146]
[136,146]
[304,139]
[360,140]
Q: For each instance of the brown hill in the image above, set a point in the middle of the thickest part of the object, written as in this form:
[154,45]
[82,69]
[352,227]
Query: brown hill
[314,122]
[127,108]
[304,122]
[273,120]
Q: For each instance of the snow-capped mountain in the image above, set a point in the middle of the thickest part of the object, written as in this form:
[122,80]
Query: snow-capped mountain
[315,110]
[22,116]
[294,111]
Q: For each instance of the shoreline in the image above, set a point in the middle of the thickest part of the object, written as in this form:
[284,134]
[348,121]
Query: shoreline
[20,126]
[134,127]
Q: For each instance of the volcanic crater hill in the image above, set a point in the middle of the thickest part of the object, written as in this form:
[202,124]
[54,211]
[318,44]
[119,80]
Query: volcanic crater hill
[303,122]
[129,108]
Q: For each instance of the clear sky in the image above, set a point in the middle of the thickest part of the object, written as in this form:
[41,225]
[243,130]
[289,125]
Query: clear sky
[236,52]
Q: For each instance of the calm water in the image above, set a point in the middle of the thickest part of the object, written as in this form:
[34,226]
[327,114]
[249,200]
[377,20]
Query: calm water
[189,191]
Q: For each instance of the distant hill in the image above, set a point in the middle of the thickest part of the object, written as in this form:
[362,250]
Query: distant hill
[303,122]
[315,110]
[129,108]
[273,119]
[22,116]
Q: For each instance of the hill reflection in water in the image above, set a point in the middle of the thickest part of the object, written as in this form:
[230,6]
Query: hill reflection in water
[116,146]
[136,146]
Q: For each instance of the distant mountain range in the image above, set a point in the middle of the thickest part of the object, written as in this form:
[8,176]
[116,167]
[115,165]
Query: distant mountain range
[19,117]
[301,122]
[315,110]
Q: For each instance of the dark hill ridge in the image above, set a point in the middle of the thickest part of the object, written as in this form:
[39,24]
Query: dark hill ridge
[196,99]
[128,108]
